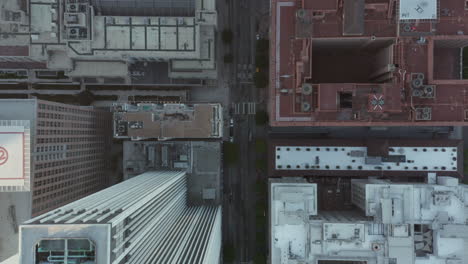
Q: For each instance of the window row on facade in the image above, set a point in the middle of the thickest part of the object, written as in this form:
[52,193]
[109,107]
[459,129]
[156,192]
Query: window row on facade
[96,158]
[62,109]
[45,140]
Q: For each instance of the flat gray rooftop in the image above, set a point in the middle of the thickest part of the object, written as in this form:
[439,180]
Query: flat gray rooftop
[201,160]
[206,173]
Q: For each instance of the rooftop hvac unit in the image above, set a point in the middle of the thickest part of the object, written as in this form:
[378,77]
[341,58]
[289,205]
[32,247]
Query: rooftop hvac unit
[301,13]
[305,107]
[407,27]
[423,113]
[417,75]
[426,91]
[83,8]
[307,89]
[416,83]
[72,8]
[417,92]
[71,19]
[72,33]
[429,91]
[135,124]
[121,129]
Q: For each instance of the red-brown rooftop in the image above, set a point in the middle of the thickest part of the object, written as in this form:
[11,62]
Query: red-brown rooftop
[368,62]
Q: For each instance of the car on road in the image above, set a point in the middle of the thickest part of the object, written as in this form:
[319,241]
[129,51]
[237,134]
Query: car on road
[231,134]
[231,130]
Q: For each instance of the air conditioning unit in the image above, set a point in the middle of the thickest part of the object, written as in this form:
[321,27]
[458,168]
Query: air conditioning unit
[306,107]
[429,91]
[307,89]
[426,91]
[301,13]
[83,8]
[416,83]
[417,75]
[423,113]
[72,8]
[72,33]
[417,92]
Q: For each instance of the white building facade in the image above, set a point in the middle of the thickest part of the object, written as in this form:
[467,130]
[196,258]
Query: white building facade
[142,220]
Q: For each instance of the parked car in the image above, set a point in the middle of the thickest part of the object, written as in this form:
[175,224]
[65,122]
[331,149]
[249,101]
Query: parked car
[231,134]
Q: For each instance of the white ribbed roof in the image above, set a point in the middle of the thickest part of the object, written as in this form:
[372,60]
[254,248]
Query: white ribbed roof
[356,158]
[149,219]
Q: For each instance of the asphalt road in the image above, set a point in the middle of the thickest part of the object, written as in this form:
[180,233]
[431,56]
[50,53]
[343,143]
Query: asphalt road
[241,16]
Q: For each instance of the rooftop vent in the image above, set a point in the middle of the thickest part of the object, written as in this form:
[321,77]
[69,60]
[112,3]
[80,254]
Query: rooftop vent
[418,89]
[72,33]
[305,107]
[72,8]
[423,113]
[301,14]
[307,89]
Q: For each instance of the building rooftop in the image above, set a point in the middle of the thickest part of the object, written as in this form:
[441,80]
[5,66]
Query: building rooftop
[14,155]
[96,228]
[377,157]
[166,121]
[418,9]
[398,223]
[62,35]
[379,62]
[200,159]
[290,203]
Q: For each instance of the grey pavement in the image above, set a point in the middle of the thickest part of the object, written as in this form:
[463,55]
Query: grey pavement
[239,208]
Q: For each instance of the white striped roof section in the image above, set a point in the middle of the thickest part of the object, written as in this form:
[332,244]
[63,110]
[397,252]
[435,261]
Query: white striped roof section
[342,158]
[150,220]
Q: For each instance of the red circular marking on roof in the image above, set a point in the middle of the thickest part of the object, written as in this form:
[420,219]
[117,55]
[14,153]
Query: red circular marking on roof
[3,156]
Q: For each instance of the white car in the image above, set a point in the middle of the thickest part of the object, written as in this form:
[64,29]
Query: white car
[231,130]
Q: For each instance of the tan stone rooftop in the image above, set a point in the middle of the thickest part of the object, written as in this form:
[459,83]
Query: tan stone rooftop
[164,121]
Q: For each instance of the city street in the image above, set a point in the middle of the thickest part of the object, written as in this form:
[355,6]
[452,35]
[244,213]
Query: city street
[242,17]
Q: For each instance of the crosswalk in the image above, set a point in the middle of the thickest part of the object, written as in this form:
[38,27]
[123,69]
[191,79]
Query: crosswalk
[244,108]
[245,72]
